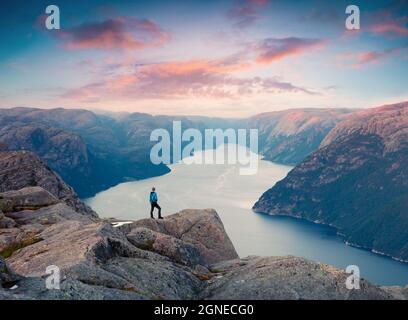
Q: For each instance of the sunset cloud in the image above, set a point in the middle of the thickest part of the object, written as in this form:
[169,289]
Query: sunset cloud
[358,60]
[391,19]
[225,57]
[395,28]
[213,79]
[118,33]
[273,49]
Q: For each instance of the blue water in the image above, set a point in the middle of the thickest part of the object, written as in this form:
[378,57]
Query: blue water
[222,187]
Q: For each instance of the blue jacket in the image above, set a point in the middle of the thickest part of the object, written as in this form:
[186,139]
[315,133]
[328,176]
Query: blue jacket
[153,197]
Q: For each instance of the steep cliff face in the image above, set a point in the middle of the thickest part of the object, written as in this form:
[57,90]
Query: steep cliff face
[388,122]
[20,169]
[357,181]
[64,151]
[289,136]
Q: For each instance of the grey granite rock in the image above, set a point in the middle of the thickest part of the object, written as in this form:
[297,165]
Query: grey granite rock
[37,210]
[26,198]
[20,169]
[178,250]
[399,293]
[284,278]
[202,228]
[186,256]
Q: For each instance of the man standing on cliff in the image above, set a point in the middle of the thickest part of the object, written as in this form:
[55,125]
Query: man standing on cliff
[154,204]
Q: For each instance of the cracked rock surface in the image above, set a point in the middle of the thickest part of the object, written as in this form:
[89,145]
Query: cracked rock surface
[188,255]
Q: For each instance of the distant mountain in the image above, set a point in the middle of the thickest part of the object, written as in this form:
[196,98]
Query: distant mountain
[93,152]
[289,136]
[357,181]
[64,151]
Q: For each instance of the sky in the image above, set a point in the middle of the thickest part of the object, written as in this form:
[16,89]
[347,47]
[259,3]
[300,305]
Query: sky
[231,58]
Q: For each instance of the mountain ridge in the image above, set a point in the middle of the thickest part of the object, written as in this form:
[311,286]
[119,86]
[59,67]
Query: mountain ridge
[356,181]
[93,152]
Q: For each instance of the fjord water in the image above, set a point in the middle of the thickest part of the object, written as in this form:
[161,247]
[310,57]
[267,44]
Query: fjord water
[232,195]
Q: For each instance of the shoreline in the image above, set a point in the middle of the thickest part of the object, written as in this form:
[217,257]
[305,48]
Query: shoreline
[342,236]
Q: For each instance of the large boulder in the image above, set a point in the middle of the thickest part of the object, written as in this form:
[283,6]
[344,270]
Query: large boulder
[64,244]
[26,198]
[98,255]
[20,169]
[28,212]
[288,278]
[202,228]
[47,216]
[178,250]
[13,239]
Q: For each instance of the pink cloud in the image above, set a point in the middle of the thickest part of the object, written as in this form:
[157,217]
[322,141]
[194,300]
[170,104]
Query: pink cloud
[117,33]
[213,79]
[370,57]
[390,20]
[272,49]
[358,60]
[397,28]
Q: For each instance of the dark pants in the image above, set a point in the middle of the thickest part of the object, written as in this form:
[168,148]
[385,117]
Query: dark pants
[155,205]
